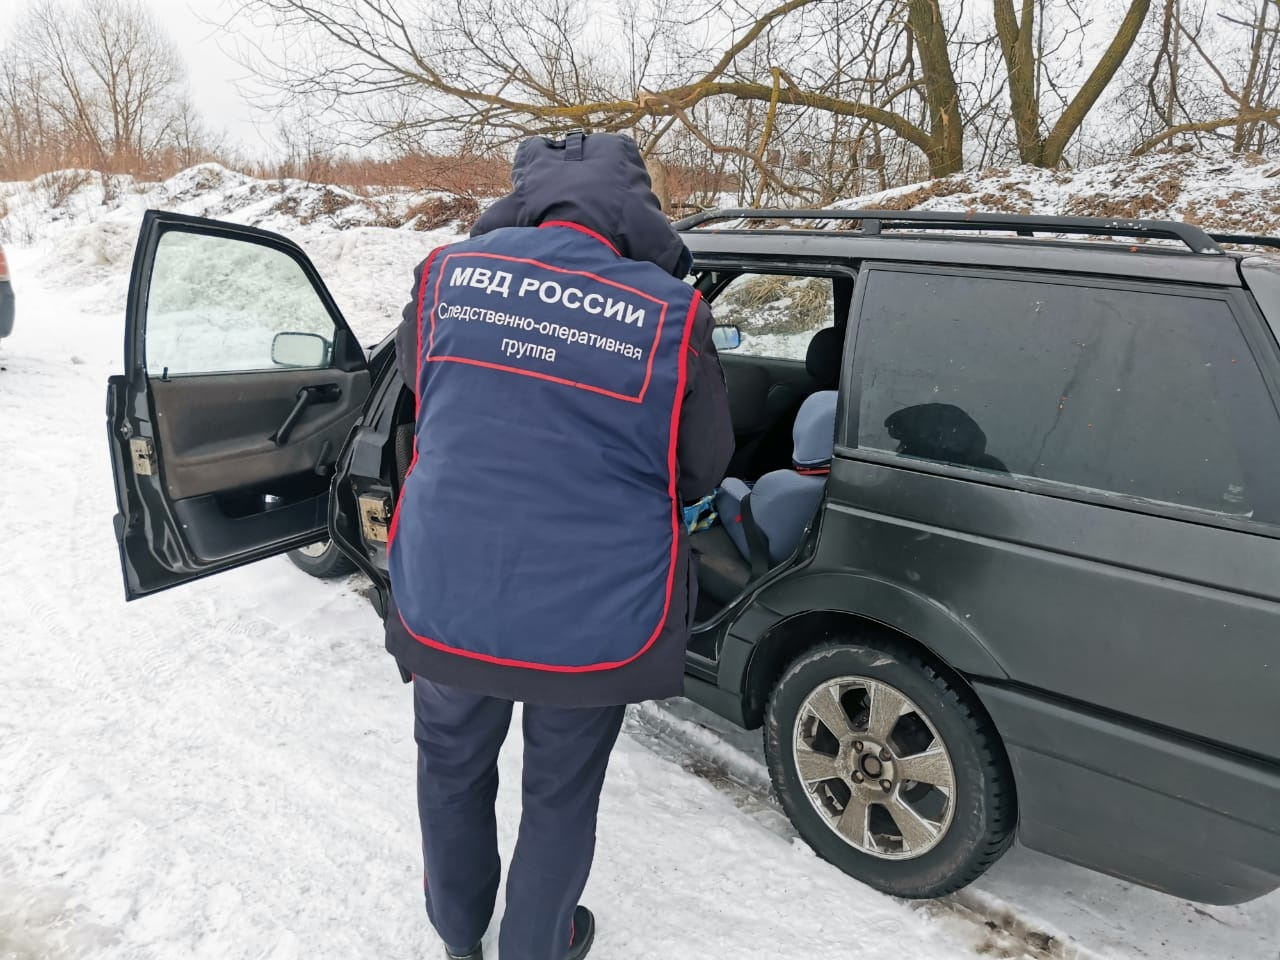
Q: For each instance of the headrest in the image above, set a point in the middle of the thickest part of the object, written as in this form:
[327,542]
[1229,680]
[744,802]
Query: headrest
[814,434]
[824,355]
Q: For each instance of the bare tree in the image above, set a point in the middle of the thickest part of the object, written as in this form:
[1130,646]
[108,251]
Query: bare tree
[1223,93]
[1258,88]
[801,98]
[527,67]
[97,83]
[1038,142]
[27,130]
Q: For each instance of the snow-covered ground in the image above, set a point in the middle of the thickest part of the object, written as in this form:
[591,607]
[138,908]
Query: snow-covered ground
[226,770]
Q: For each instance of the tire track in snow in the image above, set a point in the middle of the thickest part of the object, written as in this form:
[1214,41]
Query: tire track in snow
[997,933]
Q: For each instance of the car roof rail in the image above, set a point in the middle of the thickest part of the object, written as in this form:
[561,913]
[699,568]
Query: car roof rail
[1252,240]
[875,222]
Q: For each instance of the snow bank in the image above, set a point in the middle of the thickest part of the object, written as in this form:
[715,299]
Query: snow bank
[1214,189]
[1220,192]
[83,231]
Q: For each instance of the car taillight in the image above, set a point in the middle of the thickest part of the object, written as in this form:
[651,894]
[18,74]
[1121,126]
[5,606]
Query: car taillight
[4,267]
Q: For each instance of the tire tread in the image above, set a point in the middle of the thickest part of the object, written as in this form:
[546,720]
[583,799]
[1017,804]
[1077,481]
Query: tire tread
[990,749]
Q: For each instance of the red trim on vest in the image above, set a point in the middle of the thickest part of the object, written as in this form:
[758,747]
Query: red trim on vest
[813,471]
[581,229]
[676,522]
[417,400]
[653,347]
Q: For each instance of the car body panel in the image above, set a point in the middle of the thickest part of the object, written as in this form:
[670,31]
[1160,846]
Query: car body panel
[1100,791]
[1079,599]
[6,298]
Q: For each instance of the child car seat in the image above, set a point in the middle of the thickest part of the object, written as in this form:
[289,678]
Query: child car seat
[767,520]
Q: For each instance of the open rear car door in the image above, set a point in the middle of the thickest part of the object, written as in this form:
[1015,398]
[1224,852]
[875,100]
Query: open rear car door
[241,383]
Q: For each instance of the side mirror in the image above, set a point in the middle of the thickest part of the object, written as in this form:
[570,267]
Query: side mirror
[726,336]
[300,350]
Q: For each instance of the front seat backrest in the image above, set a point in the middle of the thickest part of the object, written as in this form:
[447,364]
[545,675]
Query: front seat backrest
[783,501]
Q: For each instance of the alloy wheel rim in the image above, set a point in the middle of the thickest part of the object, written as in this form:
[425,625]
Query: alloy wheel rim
[874,768]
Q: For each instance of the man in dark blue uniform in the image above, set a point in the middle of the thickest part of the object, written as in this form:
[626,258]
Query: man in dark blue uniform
[569,401]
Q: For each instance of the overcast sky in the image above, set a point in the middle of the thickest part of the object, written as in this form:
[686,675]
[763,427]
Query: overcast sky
[210,57]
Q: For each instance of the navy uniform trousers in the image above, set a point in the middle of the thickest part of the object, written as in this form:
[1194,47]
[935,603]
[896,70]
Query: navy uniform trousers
[566,752]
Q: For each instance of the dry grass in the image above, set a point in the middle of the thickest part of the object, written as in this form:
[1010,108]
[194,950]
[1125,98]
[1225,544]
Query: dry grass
[437,212]
[466,176]
[469,176]
[779,304]
[59,185]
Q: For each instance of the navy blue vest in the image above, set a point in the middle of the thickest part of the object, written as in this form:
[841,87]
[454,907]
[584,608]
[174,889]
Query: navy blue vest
[539,525]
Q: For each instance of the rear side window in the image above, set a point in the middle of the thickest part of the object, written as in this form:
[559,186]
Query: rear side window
[1136,392]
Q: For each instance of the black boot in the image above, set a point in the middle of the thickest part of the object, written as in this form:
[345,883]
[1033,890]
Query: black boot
[584,932]
[475,953]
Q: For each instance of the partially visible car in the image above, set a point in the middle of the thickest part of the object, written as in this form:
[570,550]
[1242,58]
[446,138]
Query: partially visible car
[6,298]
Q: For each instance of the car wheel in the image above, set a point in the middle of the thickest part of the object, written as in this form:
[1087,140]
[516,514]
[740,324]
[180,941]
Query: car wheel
[889,770]
[322,559]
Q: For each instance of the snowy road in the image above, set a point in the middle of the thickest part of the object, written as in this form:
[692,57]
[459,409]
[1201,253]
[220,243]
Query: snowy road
[226,770]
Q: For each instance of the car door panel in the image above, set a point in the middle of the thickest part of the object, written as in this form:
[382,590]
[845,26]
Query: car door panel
[241,383]
[212,429]
[214,533]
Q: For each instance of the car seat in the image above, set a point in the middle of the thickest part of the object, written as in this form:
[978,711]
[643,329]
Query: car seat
[766,521]
[823,358]
[764,412]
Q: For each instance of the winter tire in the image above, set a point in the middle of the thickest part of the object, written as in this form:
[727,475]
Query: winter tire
[888,769]
[323,560]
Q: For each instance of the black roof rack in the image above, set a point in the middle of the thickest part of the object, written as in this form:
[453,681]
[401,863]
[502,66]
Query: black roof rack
[875,222]
[1246,238]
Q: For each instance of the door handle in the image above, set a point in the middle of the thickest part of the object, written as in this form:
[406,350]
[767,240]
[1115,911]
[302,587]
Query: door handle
[320,393]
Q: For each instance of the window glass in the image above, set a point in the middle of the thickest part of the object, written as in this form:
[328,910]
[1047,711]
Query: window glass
[219,304]
[1140,393]
[777,314]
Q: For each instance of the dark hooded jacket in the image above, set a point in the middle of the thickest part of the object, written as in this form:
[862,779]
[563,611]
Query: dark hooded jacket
[570,399]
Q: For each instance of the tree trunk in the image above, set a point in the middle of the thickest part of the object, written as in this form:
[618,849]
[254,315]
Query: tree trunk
[1055,144]
[1020,64]
[658,174]
[1243,129]
[946,124]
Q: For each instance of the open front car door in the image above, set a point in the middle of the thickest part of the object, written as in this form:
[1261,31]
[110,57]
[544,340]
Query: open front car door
[241,383]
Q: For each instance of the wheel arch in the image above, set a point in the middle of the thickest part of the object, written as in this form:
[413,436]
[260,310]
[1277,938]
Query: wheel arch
[801,612]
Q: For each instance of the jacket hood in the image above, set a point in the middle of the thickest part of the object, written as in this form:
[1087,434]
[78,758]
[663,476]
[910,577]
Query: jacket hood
[597,181]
